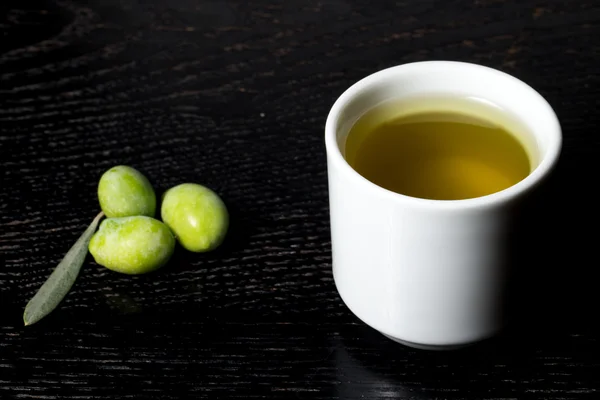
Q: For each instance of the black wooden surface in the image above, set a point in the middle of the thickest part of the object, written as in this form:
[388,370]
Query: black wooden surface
[234,95]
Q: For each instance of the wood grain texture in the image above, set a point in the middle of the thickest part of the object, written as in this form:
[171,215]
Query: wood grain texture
[234,95]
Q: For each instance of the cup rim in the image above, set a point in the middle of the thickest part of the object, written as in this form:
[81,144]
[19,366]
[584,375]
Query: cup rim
[548,161]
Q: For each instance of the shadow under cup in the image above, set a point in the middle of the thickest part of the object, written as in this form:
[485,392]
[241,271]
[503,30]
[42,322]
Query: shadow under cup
[430,273]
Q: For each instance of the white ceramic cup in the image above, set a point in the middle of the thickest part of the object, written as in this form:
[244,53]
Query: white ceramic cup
[429,273]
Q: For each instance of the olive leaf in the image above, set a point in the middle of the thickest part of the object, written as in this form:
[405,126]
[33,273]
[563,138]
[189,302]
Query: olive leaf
[62,278]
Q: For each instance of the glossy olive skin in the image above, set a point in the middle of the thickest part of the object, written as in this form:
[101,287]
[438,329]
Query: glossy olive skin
[196,215]
[124,191]
[132,245]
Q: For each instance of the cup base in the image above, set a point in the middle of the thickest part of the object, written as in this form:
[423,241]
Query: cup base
[428,346]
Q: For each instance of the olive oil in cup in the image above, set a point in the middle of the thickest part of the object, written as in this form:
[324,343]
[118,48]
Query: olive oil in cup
[440,147]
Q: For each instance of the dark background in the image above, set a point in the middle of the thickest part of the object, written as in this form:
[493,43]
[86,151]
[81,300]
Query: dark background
[234,95]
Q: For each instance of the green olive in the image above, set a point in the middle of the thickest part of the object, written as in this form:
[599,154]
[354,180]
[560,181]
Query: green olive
[123,192]
[132,245]
[196,215]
